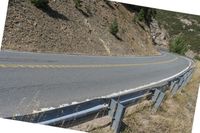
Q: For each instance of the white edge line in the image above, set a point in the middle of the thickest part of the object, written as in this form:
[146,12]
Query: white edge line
[150,84]
[121,92]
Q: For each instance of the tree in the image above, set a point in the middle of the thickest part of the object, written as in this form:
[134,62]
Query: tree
[178,45]
[40,3]
[114,29]
[141,15]
[77,3]
[145,15]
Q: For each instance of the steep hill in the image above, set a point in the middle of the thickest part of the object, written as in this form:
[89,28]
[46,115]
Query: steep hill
[63,28]
[181,24]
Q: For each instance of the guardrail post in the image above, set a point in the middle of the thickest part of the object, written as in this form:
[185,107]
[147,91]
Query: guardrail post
[155,95]
[116,112]
[178,84]
[172,85]
[157,99]
[185,80]
[175,89]
[190,75]
[181,80]
[112,108]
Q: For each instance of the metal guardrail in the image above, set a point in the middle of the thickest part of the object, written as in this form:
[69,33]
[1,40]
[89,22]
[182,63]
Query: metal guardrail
[113,106]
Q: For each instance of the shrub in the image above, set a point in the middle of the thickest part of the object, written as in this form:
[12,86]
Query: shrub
[178,45]
[145,15]
[40,3]
[114,28]
[77,3]
[141,15]
[197,57]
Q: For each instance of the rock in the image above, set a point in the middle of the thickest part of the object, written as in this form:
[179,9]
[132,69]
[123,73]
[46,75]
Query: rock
[159,35]
[191,30]
[186,21]
[190,54]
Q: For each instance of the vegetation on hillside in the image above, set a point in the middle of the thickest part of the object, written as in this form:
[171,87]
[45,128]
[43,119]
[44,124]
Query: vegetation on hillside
[140,16]
[77,3]
[114,27]
[40,3]
[178,45]
[178,23]
[145,14]
[197,57]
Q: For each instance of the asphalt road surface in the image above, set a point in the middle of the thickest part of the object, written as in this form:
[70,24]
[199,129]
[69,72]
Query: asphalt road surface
[32,81]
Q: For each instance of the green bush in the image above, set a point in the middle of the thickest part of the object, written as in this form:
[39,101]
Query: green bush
[141,15]
[178,45]
[197,57]
[114,29]
[145,15]
[40,3]
[77,3]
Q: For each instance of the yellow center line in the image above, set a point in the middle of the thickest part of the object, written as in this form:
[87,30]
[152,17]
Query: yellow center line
[83,66]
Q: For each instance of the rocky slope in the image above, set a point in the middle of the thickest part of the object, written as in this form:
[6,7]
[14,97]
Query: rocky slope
[61,27]
[159,34]
[181,24]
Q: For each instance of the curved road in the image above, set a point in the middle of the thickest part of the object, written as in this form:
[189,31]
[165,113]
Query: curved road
[31,81]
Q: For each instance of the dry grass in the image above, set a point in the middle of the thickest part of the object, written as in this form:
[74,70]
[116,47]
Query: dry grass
[174,116]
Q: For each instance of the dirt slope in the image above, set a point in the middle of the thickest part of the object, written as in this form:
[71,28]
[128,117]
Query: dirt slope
[61,27]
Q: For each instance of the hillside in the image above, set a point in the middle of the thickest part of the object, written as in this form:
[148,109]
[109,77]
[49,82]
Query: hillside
[60,27]
[186,25]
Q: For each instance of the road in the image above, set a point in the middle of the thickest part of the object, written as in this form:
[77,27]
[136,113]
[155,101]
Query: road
[35,81]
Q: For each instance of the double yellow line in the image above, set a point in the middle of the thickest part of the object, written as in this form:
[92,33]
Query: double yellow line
[83,66]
